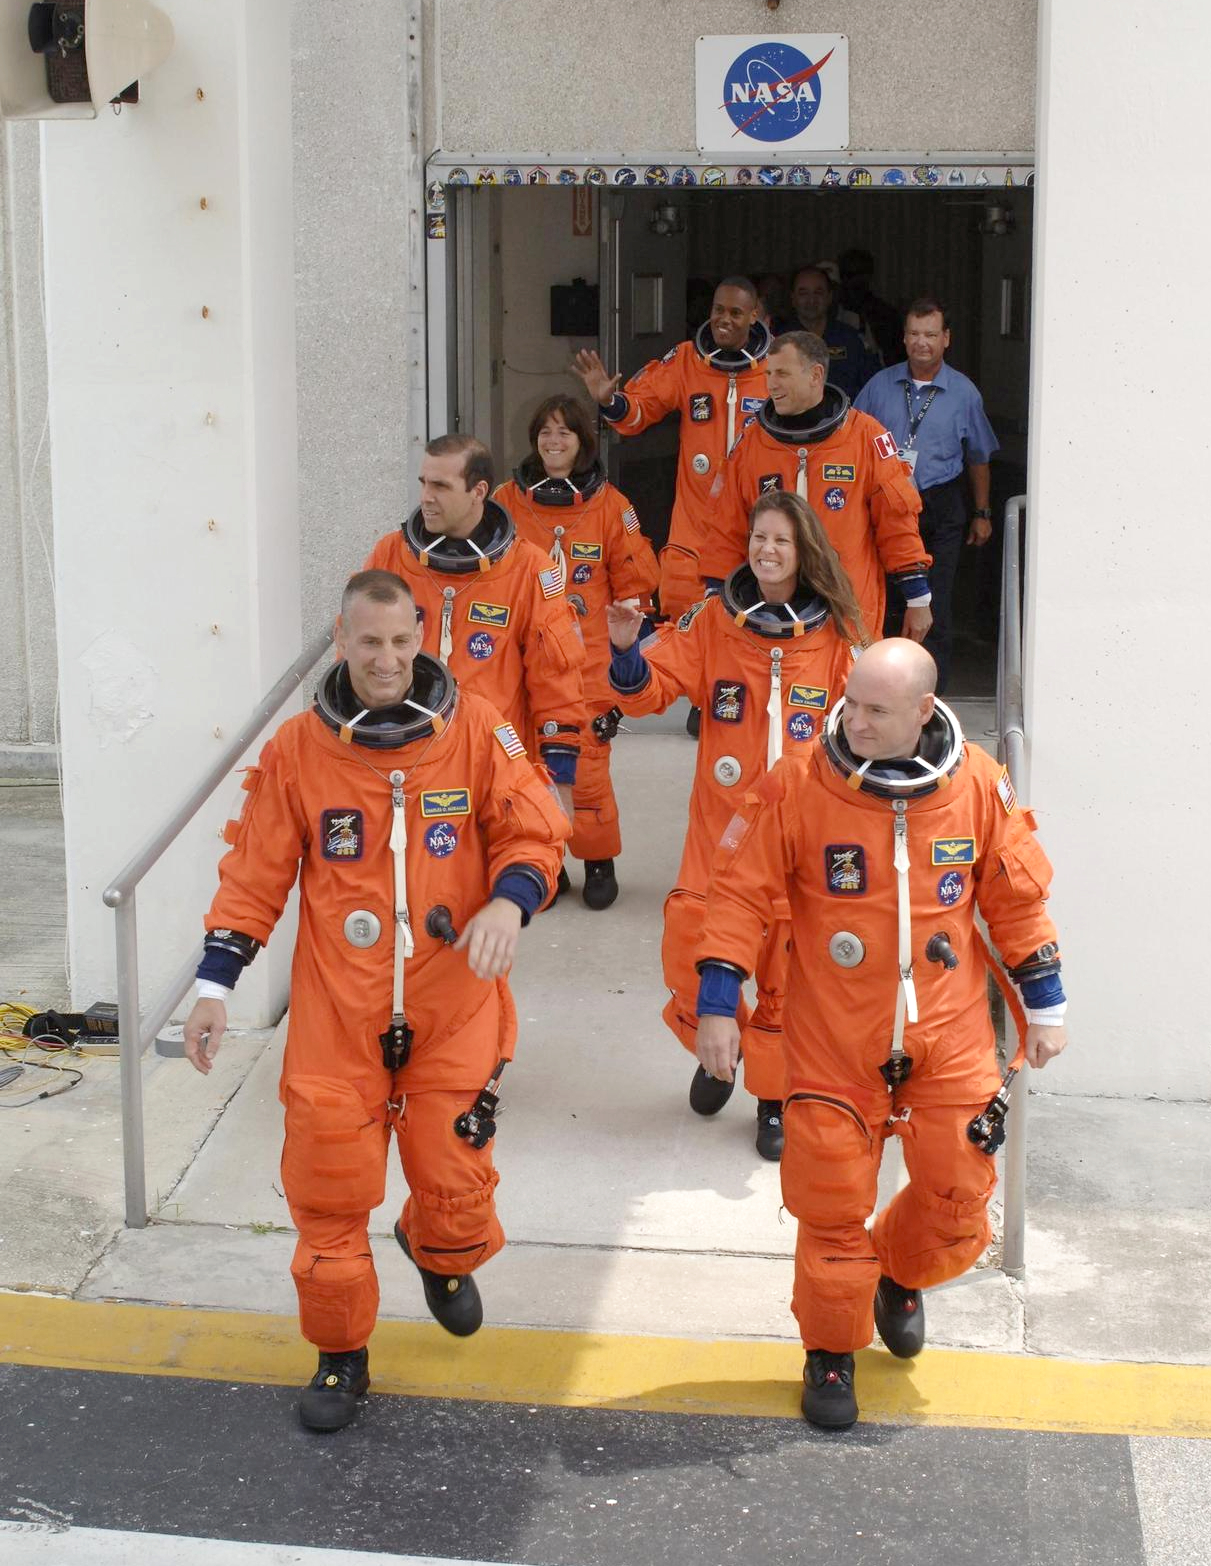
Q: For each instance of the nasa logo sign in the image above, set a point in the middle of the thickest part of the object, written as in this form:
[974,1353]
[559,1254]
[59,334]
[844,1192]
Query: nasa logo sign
[776,92]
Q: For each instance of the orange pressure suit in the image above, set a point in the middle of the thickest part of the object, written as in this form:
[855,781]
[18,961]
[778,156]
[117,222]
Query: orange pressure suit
[495,612]
[590,530]
[474,808]
[807,833]
[735,658]
[844,464]
[714,390]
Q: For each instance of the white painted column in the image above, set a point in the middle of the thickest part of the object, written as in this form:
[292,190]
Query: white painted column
[1118,700]
[170,319]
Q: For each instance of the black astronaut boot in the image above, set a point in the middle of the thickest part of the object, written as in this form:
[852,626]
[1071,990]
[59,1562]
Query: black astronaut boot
[900,1318]
[600,883]
[707,1093]
[330,1398]
[453,1299]
[828,1390]
[770,1135]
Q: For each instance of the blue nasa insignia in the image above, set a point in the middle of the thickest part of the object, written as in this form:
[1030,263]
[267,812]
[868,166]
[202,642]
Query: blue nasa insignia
[800,726]
[845,869]
[727,701]
[341,834]
[772,92]
[441,839]
[834,498]
[950,888]
[481,645]
[582,574]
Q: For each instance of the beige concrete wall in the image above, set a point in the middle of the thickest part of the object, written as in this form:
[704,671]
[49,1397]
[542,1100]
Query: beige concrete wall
[543,77]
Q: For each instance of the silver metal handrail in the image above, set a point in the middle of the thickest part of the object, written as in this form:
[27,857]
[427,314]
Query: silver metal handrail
[1011,727]
[136,1031]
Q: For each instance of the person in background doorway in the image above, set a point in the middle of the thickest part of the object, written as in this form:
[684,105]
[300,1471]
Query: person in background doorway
[850,366]
[937,417]
[878,322]
[561,500]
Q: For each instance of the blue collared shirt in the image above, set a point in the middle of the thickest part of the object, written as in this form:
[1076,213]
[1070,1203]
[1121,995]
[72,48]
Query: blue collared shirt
[954,431]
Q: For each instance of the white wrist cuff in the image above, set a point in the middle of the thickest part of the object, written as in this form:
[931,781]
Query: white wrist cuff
[1048,1016]
[208,989]
[920,603]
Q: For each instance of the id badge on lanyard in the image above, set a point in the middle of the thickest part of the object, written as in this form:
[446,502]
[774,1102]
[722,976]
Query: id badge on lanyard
[908,451]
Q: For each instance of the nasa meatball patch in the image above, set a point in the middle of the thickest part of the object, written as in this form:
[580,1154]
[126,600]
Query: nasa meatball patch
[582,574]
[481,645]
[834,498]
[800,726]
[950,888]
[727,701]
[845,869]
[441,839]
[341,834]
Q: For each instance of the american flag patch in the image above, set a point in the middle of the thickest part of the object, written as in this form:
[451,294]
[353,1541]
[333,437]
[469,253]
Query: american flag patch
[1005,792]
[629,520]
[510,744]
[551,581]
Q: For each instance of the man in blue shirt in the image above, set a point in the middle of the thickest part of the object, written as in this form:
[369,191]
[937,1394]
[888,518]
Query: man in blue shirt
[850,365]
[937,417]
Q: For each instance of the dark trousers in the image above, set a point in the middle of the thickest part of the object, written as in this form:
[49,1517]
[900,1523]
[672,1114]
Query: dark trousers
[943,528]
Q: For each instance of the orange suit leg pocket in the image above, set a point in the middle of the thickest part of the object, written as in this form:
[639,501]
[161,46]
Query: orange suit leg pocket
[937,1226]
[830,1171]
[333,1173]
[450,1216]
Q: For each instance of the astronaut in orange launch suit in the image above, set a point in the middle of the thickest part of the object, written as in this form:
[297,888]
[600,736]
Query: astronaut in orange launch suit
[715,380]
[493,605]
[408,812]
[561,500]
[887,837]
[764,659]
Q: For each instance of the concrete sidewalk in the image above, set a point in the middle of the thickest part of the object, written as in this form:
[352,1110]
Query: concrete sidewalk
[625,1212]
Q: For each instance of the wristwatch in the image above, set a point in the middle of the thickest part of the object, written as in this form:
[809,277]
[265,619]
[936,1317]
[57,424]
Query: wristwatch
[983,512]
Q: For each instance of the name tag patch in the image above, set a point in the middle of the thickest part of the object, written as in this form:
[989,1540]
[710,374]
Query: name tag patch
[488,614]
[751,404]
[808,696]
[341,834]
[586,551]
[727,702]
[838,472]
[953,851]
[445,802]
[845,869]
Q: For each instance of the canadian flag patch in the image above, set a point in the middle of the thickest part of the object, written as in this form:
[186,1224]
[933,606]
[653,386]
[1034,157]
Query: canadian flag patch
[885,444]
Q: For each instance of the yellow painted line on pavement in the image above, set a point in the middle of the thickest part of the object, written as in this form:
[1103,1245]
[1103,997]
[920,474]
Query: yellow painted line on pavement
[599,1370]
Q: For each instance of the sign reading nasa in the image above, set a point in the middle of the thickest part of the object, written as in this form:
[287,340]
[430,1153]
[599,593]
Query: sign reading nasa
[768,94]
